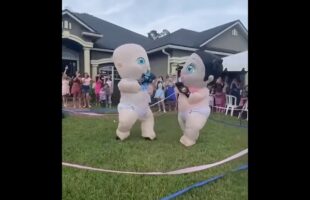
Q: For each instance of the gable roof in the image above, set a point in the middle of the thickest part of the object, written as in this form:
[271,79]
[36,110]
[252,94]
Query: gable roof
[210,34]
[85,25]
[188,38]
[181,37]
[114,36]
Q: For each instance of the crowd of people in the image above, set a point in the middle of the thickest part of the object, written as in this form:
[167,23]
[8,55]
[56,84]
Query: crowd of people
[80,88]
[161,91]
[221,88]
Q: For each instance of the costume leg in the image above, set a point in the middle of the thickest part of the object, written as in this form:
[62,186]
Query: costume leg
[194,123]
[147,126]
[181,122]
[127,119]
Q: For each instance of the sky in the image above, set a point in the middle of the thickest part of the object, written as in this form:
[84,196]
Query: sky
[142,16]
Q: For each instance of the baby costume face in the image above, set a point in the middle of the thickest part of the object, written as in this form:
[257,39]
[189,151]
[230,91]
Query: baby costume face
[131,61]
[193,72]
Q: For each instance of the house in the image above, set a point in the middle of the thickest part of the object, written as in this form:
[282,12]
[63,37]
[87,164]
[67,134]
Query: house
[88,44]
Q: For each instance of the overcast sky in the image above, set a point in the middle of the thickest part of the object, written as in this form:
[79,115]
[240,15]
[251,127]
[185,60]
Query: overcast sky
[141,16]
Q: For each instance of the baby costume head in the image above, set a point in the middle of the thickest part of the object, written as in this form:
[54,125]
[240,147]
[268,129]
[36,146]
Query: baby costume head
[131,61]
[200,69]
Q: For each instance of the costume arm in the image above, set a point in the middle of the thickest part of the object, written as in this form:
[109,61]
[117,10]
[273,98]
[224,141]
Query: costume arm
[129,86]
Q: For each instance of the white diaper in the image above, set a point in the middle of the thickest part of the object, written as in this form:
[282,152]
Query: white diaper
[204,111]
[142,112]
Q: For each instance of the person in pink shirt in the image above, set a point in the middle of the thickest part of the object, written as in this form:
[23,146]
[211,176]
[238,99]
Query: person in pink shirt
[98,86]
[76,90]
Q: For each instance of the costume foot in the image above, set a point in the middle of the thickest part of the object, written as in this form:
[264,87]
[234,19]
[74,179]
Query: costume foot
[186,141]
[149,139]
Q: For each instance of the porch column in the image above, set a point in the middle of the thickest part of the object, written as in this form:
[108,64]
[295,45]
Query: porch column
[87,60]
[94,71]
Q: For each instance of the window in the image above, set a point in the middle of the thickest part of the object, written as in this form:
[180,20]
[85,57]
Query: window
[234,32]
[66,24]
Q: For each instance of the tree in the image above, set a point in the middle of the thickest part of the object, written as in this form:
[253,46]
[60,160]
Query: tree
[153,34]
[165,32]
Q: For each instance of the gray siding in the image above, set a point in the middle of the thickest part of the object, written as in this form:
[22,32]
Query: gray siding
[228,41]
[96,55]
[158,63]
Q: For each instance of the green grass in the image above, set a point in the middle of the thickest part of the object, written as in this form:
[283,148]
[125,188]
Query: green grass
[91,141]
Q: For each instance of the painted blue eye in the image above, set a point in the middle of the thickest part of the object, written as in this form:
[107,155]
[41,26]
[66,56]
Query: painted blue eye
[141,61]
[190,68]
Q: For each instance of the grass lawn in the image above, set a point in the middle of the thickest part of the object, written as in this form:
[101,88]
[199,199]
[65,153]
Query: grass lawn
[91,141]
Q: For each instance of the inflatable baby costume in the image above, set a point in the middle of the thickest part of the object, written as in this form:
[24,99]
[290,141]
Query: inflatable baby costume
[193,99]
[131,62]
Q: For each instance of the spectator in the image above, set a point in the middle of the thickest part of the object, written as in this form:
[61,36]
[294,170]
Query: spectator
[235,89]
[219,97]
[76,90]
[102,97]
[86,83]
[160,95]
[226,85]
[110,92]
[98,86]
[107,91]
[65,87]
[171,96]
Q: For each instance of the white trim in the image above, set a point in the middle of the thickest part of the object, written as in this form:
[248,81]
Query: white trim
[220,53]
[104,50]
[171,46]
[182,48]
[79,21]
[92,34]
[220,33]
[101,61]
[178,59]
[68,35]
[187,48]
[168,66]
